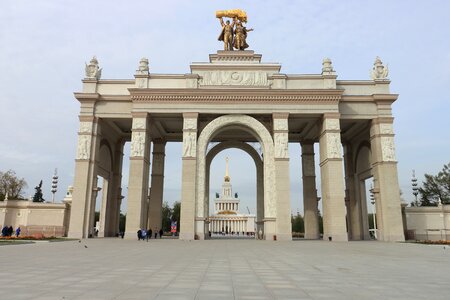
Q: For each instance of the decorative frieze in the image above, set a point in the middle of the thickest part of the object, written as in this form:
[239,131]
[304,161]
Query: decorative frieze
[246,78]
[281,145]
[189,144]
[137,144]
[84,147]
[388,148]
[333,145]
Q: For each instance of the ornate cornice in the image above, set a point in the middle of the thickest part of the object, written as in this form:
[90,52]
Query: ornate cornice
[234,95]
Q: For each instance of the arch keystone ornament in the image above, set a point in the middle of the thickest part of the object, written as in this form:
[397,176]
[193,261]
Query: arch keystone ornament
[234,99]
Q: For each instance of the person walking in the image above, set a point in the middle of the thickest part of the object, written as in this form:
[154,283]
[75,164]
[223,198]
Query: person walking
[149,233]
[18,231]
[156,233]
[161,232]
[144,234]
[139,234]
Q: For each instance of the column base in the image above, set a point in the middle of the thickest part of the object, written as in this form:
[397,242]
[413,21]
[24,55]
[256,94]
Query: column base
[284,237]
[312,236]
[75,235]
[187,236]
[336,238]
[130,235]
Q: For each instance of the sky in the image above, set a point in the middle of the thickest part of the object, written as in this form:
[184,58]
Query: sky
[44,46]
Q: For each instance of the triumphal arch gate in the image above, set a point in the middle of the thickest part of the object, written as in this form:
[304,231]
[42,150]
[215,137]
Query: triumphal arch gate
[236,101]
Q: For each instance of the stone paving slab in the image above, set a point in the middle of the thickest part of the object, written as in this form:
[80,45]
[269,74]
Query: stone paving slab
[223,269]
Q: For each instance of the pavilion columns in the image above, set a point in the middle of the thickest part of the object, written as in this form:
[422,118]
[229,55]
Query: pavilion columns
[351,201]
[116,188]
[311,217]
[138,177]
[188,178]
[157,186]
[385,178]
[332,181]
[85,180]
[283,197]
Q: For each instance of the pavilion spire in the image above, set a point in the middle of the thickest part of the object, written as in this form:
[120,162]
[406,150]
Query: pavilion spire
[227,177]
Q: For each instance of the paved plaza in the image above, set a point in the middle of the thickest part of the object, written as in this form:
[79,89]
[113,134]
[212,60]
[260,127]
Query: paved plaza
[223,269]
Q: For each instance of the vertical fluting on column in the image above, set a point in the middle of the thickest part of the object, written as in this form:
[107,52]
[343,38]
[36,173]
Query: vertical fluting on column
[332,181]
[157,185]
[282,181]
[188,177]
[385,178]
[311,216]
[139,174]
[85,178]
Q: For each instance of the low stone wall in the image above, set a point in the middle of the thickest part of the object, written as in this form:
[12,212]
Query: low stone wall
[49,219]
[428,222]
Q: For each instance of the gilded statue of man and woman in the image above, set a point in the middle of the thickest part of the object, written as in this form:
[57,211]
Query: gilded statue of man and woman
[233,35]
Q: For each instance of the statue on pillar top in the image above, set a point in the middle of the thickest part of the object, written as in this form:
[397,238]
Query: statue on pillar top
[233,35]
[379,71]
[92,69]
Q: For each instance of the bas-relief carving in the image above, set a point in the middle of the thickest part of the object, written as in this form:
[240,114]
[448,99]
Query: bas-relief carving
[137,144]
[139,123]
[84,147]
[85,127]
[388,148]
[332,124]
[189,123]
[247,78]
[189,144]
[386,129]
[333,145]
[281,145]
[280,124]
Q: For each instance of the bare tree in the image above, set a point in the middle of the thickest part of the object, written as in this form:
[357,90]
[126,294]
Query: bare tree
[11,184]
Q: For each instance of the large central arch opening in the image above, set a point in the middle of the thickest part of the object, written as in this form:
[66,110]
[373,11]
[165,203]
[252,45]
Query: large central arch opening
[234,132]
[236,205]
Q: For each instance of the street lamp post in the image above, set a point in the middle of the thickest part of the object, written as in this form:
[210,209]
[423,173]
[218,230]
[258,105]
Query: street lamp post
[415,188]
[54,185]
[372,200]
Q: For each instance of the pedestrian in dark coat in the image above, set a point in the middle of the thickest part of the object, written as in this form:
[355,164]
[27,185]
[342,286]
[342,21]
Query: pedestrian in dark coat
[139,234]
[149,233]
[161,233]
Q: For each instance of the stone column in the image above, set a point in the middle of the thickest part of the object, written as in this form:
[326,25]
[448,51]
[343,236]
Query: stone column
[116,189]
[188,176]
[138,178]
[385,178]
[85,177]
[332,181]
[282,181]
[157,184]
[353,207]
[103,210]
[311,217]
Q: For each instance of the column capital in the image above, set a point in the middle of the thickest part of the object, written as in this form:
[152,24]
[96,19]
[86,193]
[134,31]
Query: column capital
[90,118]
[280,115]
[190,115]
[331,115]
[139,114]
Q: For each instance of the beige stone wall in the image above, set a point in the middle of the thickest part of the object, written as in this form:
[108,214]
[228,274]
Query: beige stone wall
[429,223]
[50,219]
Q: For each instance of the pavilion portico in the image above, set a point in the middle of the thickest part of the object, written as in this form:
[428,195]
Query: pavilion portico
[232,101]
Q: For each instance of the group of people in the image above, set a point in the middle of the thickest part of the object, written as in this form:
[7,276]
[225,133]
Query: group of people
[144,234]
[8,231]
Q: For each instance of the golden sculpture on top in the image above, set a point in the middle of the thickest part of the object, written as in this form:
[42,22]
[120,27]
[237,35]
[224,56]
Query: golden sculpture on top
[233,35]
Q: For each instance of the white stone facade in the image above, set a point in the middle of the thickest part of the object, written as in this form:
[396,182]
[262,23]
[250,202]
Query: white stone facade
[234,100]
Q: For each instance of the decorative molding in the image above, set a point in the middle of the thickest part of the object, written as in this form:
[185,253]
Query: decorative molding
[235,98]
[332,124]
[190,123]
[280,124]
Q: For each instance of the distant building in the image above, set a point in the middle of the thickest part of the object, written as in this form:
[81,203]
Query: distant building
[226,218]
